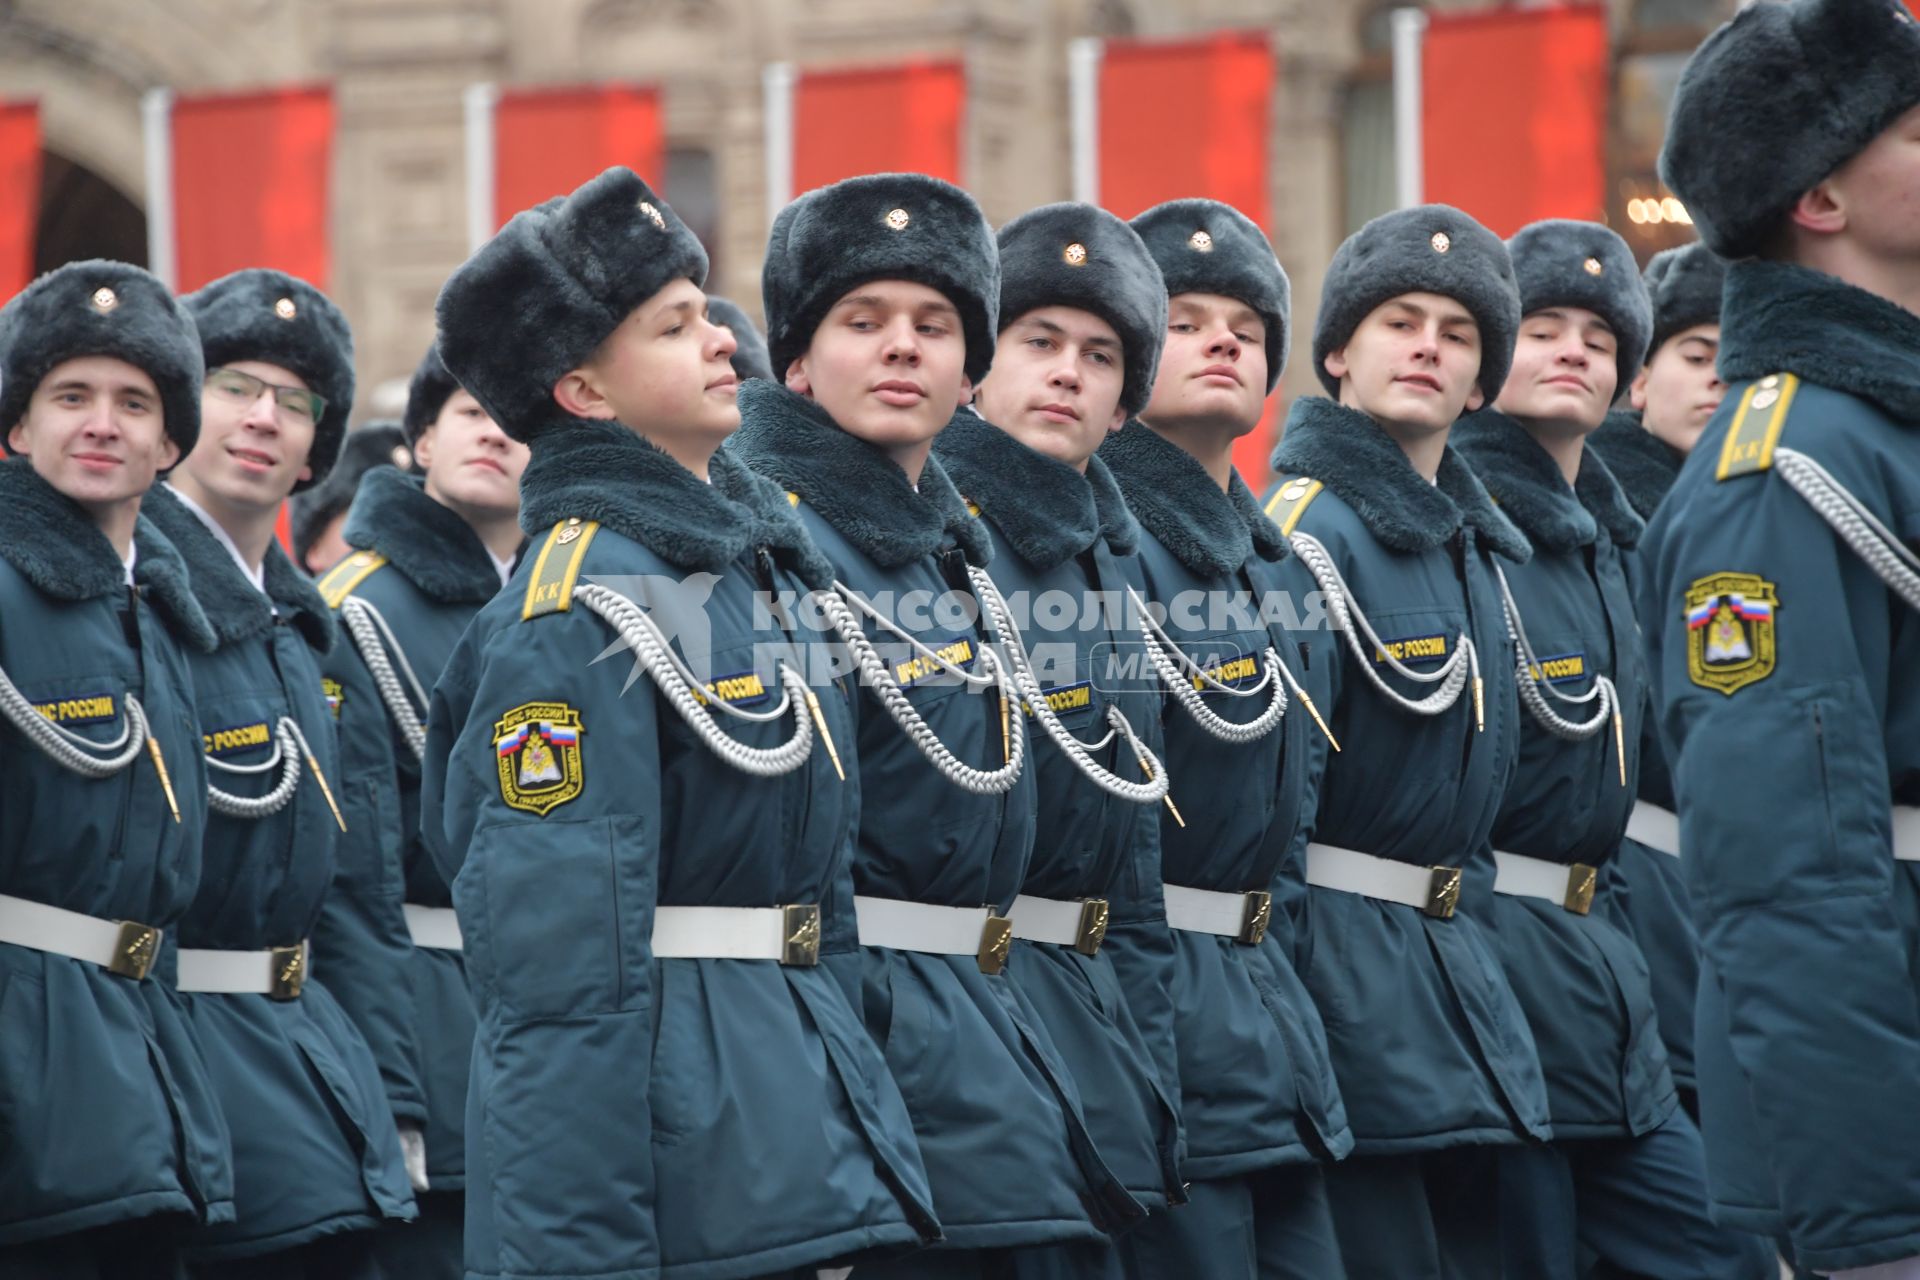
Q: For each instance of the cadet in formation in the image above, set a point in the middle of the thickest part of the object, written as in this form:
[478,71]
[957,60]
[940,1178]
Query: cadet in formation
[1779,584]
[1624,1180]
[645,810]
[1392,529]
[881,294]
[317,1159]
[1672,397]
[1260,1106]
[114,1141]
[427,552]
[316,515]
[1081,317]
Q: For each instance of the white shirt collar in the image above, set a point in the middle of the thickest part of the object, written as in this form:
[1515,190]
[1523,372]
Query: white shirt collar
[256,575]
[133,553]
[503,567]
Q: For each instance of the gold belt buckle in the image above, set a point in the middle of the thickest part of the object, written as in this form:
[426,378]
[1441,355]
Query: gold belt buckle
[1093,926]
[996,942]
[134,950]
[1443,893]
[1581,882]
[1253,926]
[288,969]
[800,931]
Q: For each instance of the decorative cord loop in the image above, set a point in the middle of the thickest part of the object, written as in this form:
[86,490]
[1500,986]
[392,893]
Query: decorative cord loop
[1168,659]
[68,749]
[1883,550]
[368,629]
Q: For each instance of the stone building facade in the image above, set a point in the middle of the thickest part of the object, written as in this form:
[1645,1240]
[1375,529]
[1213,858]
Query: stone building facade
[399,67]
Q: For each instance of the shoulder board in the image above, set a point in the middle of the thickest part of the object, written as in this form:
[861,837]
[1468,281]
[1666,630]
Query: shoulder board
[1290,502]
[550,588]
[1756,426]
[340,580]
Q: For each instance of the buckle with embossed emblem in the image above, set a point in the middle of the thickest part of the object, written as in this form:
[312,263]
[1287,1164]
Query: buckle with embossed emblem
[1093,926]
[1443,893]
[287,971]
[134,950]
[1581,882]
[800,935]
[1253,926]
[996,942]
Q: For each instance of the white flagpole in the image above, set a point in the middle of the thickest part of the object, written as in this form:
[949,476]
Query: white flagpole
[1409,165]
[479,101]
[156,126]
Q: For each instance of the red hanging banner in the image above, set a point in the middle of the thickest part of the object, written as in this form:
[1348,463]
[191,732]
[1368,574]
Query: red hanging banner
[1186,119]
[1514,114]
[19,194]
[546,142]
[251,184]
[901,119]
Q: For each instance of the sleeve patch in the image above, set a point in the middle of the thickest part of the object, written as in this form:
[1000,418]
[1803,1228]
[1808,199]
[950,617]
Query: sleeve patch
[537,752]
[1730,631]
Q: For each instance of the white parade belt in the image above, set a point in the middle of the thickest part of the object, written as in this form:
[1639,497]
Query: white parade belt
[279,972]
[123,947]
[1656,828]
[1568,885]
[939,931]
[1659,829]
[789,934]
[1241,916]
[1435,891]
[434,927]
[1080,923]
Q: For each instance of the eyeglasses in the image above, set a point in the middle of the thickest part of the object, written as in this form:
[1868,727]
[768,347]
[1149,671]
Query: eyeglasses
[292,404]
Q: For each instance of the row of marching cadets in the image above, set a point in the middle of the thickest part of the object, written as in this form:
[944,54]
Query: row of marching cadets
[687,834]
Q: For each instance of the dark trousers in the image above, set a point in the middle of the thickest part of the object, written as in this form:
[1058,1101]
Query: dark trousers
[1275,1224]
[431,1246]
[1621,1209]
[350,1256]
[144,1249]
[1433,1215]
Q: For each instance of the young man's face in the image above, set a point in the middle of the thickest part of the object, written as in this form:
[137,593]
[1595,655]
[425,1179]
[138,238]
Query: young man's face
[1413,362]
[95,430]
[1563,369]
[471,464]
[1055,387]
[257,423]
[1213,367]
[666,371]
[888,363]
[1880,191]
[1679,388]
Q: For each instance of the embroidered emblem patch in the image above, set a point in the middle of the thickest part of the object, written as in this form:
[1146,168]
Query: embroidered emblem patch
[1412,649]
[1561,667]
[912,670]
[537,750]
[743,689]
[239,737]
[334,694]
[88,709]
[1063,699]
[1233,673]
[1730,641]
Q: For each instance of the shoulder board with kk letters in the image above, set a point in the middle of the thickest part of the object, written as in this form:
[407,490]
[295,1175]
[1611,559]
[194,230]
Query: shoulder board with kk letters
[1749,445]
[341,580]
[1286,506]
[550,587]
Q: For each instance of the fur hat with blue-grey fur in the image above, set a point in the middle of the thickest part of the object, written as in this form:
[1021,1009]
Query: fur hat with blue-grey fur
[427,394]
[1431,248]
[750,349]
[102,308]
[884,226]
[258,314]
[1560,262]
[1777,99]
[533,303]
[1081,256]
[1204,246]
[1685,285]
